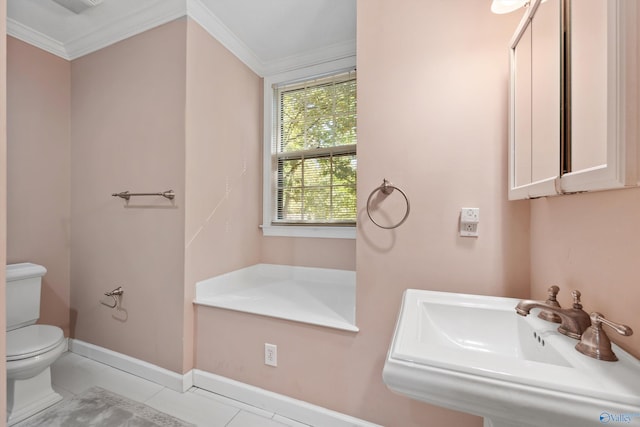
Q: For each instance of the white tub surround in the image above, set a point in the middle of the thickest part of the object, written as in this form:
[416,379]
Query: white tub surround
[317,296]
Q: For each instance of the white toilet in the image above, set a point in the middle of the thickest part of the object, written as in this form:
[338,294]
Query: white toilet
[31,348]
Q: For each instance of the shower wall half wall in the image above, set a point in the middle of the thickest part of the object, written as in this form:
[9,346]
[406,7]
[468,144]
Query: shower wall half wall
[167,109]
[128,133]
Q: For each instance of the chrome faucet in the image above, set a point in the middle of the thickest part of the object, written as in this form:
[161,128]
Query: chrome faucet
[574,320]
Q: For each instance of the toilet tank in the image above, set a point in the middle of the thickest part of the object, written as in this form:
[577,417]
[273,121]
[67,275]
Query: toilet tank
[24,281]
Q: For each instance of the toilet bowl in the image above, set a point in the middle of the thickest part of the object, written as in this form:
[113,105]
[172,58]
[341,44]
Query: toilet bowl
[31,348]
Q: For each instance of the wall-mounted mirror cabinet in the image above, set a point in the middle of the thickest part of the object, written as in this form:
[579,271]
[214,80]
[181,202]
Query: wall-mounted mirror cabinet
[573,98]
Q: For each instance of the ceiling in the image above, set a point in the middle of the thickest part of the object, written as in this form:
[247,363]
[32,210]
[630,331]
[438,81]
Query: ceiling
[270,36]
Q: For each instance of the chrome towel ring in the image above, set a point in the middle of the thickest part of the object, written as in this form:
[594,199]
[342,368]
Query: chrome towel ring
[387,188]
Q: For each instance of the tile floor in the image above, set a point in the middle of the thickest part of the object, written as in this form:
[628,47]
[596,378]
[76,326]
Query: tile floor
[71,374]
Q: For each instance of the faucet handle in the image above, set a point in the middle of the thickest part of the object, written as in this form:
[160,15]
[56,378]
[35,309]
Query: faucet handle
[548,315]
[597,318]
[595,342]
[552,292]
[576,299]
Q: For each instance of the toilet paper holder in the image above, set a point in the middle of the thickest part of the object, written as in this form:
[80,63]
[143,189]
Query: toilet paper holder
[115,294]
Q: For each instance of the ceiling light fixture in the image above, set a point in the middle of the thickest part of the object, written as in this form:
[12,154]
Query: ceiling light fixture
[506,6]
[78,6]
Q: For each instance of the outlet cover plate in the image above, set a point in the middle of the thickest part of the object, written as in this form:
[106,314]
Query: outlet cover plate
[270,354]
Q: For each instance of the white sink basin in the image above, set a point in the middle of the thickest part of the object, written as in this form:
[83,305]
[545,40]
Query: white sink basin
[475,354]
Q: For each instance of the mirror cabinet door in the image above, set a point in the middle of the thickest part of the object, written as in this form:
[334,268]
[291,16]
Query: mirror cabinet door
[588,84]
[535,121]
[546,64]
[600,78]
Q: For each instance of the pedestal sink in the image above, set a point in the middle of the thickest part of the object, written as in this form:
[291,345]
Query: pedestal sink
[474,354]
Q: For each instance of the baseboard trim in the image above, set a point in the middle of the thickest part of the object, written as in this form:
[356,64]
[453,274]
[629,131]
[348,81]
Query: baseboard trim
[288,407]
[285,406]
[137,367]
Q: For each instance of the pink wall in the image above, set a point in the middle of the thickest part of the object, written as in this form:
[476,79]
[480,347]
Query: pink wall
[38,139]
[128,133]
[319,252]
[223,167]
[3,204]
[432,118]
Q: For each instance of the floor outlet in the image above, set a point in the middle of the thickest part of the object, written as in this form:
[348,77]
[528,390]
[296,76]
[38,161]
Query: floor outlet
[270,354]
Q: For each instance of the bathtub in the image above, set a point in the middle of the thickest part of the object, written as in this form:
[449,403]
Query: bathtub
[317,296]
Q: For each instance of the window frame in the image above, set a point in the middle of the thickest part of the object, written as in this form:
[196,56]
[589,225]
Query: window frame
[270,109]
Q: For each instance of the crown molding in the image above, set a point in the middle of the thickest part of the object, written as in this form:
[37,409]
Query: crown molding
[137,22]
[330,53]
[146,18]
[35,38]
[197,11]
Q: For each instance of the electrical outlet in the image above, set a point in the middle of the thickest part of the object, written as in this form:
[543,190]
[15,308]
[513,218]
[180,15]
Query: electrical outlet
[270,354]
[469,219]
[468,229]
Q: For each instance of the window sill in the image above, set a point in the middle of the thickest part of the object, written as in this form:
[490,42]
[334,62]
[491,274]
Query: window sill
[309,231]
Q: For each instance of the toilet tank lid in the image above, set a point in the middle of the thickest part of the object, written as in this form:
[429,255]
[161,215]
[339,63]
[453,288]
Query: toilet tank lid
[24,270]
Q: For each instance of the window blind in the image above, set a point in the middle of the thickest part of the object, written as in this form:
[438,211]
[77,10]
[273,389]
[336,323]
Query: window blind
[315,157]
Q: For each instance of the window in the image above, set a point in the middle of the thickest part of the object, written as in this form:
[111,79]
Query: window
[313,159]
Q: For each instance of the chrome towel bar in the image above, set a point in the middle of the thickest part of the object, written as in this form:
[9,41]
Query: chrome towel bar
[169,194]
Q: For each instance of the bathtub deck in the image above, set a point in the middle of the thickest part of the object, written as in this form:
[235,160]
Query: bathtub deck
[309,295]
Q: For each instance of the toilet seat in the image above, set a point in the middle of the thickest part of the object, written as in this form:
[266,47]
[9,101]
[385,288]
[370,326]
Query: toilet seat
[30,341]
